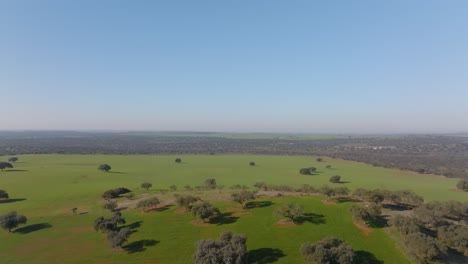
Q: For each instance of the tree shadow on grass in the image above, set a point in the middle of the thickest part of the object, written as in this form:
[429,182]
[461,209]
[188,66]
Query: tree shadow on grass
[258,204]
[32,228]
[117,172]
[264,255]
[397,207]
[365,257]
[140,245]
[345,200]
[12,200]
[133,225]
[223,219]
[311,218]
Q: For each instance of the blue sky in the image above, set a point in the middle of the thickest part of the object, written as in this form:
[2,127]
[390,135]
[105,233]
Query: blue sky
[239,66]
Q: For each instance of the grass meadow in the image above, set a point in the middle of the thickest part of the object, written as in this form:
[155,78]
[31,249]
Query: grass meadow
[46,187]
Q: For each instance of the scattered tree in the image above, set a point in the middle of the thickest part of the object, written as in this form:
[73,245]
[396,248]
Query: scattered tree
[204,210]
[148,203]
[261,186]
[252,163]
[12,220]
[104,167]
[229,248]
[110,224]
[111,206]
[146,185]
[290,211]
[329,192]
[209,184]
[13,159]
[463,185]
[173,188]
[3,194]
[185,201]
[424,248]
[74,210]
[178,160]
[5,165]
[328,251]
[335,179]
[114,193]
[307,171]
[319,159]
[328,166]
[117,238]
[242,197]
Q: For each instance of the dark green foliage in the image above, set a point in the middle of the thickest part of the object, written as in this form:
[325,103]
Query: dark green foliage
[204,210]
[436,214]
[146,185]
[290,211]
[229,248]
[109,224]
[111,205]
[341,191]
[463,185]
[328,251]
[328,166]
[335,179]
[424,248]
[454,236]
[405,225]
[12,220]
[371,213]
[252,163]
[402,197]
[261,186]
[376,196]
[74,210]
[104,167]
[5,165]
[319,159]
[307,171]
[329,192]
[13,159]
[114,193]
[3,194]
[242,197]
[185,201]
[148,203]
[173,188]
[209,184]
[117,238]
[178,160]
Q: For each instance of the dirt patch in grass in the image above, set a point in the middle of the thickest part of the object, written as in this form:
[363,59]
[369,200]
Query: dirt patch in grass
[285,223]
[365,229]
[181,211]
[328,202]
[198,223]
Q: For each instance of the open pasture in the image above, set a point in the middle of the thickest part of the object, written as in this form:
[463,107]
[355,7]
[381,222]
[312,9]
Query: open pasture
[46,187]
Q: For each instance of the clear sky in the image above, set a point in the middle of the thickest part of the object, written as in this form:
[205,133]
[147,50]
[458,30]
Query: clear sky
[240,66]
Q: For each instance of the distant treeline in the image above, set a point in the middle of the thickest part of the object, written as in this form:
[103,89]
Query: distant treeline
[442,155]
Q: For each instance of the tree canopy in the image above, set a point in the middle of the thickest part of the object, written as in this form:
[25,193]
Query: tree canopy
[3,194]
[230,248]
[290,211]
[12,220]
[308,171]
[13,159]
[146,185]
[5,165]
[328,251]
[104,167]
[204,210]
[242,197]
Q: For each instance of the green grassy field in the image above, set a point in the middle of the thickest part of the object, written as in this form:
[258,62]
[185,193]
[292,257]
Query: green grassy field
[53,184]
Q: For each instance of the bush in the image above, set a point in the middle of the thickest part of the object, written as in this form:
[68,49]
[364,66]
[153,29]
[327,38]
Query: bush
[229,248]
[328,251]
[148,203]
[463,185]
[186,201]
[307,171]
[204,210]
[3,194]
[146,185]
[335,179]
[12,220]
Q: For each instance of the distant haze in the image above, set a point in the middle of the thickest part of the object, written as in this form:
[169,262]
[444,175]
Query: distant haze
[235,66]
